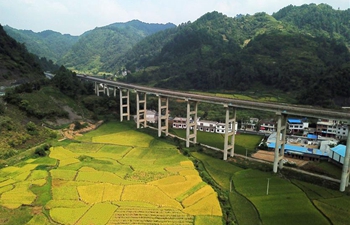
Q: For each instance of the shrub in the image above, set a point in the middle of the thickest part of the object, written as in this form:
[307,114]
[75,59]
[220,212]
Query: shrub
[31,128]
[40,151]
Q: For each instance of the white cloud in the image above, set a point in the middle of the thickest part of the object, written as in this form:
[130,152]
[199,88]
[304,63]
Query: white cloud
[78,16]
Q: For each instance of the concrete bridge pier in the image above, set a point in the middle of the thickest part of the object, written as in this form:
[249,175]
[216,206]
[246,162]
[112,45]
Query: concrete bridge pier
[163,118]
[106,88]
[115,91]
[141,109]
[344,182]
[280,141]
[191,126]
[229,144]
[98,90]
[124,104]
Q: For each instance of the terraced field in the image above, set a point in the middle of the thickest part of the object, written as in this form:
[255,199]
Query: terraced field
[123,177]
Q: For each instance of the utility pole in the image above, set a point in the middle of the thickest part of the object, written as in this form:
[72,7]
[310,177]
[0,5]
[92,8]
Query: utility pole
[268,186]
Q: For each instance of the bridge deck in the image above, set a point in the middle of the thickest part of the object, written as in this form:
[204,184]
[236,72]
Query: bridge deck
[297,110]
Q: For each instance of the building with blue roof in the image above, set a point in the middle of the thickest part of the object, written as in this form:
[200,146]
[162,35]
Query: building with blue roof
[337,154]
[299,152]
[296,125]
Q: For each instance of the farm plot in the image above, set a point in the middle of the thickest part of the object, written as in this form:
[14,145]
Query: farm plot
[15,187]
[283,198]
[143,215]
[127,138]
[118,175]
[333,204]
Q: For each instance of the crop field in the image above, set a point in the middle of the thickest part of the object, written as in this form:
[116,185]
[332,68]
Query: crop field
[242,141]
[282,202]
[132,177]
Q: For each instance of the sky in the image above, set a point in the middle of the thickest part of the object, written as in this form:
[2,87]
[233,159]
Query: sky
[77,16]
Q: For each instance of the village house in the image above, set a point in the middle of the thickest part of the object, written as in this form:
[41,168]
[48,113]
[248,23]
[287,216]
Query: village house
[151,116]
[326,128]
[297,126]
[267,126]
[180,122]
[221,128]
[342,131]
[207,126]
[250,124]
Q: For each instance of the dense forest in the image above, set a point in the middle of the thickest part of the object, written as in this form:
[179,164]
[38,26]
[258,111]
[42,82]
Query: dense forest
[16,63]
[300,50]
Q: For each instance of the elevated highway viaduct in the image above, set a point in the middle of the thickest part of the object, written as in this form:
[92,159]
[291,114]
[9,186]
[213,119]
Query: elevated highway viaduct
[281,110]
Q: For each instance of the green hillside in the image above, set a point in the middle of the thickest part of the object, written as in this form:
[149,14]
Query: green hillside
[302,51]
[309,59]
[92,50]
[102,46]
[16,64]
[49,44]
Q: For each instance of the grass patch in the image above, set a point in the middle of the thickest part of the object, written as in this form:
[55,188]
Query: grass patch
[208,220]
[243,209]
[43,193]
[242,141]
[15,216]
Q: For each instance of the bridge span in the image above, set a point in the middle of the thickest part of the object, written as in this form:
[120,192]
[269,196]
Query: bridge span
[281,110]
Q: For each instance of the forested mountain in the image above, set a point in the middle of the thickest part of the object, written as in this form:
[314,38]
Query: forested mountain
[302,54]
[102,46]
[303,50]
[90,51]
[49,44]
[319,20]
[16,64]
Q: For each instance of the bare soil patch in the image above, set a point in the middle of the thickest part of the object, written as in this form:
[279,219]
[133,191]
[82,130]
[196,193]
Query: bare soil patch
[70,133]
[269,156]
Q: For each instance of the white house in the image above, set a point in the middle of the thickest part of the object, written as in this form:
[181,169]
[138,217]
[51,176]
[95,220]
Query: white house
[297,125]
[207,126]
[221,127]
[268,126]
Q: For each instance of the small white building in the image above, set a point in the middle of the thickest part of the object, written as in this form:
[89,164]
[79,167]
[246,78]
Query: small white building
[151,116]
[221,127]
